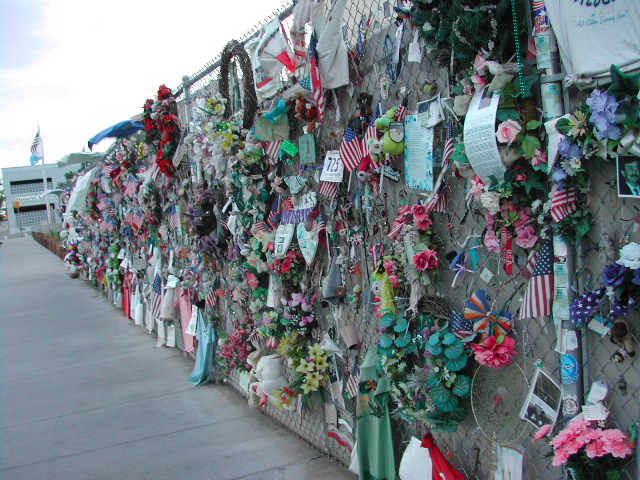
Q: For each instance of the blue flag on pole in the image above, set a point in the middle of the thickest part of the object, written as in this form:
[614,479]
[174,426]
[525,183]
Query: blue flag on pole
[36,149]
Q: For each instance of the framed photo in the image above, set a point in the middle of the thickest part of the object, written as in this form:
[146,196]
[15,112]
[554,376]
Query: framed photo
[543,402]
[628,168]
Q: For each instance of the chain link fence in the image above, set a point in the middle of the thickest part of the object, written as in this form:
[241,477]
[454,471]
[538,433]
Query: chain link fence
[368,29]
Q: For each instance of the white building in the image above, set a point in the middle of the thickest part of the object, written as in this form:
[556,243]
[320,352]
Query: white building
[24,185]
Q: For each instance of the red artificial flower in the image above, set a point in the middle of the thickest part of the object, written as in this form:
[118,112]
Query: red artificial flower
[495,352]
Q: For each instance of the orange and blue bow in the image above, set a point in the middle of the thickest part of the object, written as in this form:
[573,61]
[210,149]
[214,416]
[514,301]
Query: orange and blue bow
[487,323]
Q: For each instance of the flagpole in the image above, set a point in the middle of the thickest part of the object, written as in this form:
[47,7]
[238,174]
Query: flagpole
[44,183]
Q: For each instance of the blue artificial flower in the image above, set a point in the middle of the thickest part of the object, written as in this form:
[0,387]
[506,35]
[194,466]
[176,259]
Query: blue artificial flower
[613,275]
[636,277]
[612,132]
[558,176]
[602,120]
[569,150]
[600,101]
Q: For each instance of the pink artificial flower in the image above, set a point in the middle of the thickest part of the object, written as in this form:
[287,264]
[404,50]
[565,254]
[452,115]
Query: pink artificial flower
[521,177]
[495,352]
[432,259]
[253,281]
[389,266]
[306,321]
[560,457]
[543,432]
[424,223]
[595,449]
[507,131]
[491,241]
[526,237]
[395,280]
[270,246]
[285,267]
[478,82]
[420,261]
[524,218]
[480,64]
[477,187]
[419,211]
[539,157]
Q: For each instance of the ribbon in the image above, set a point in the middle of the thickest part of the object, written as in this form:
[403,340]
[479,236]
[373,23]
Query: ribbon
[458,265]
[507,255]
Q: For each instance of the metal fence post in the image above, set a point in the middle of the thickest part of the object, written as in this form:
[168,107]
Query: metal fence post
[569,341]
[186,89]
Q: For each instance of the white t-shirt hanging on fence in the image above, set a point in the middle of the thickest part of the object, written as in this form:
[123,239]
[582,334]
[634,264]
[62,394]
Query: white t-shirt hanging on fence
[593,34]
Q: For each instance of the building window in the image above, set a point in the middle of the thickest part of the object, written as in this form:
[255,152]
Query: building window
[28,186]
[31,216]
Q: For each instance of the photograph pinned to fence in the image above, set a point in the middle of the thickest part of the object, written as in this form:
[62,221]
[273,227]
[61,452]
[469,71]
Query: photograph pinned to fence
[628,168]
[542,404]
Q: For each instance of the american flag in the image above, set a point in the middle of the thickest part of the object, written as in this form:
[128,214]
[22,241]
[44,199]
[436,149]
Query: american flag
[531,263]
[260,226]
[537,300]
[321,226]
[137,219]
[173,218]
[353,382]
[448,147]
[272,151]
[371,132]
[350,150]
[156,296]
[224,220]
[328,189]
[461,327]
[563,203]
[318,91]
[401,113]
[36,148]
[437,202]
[132,186]
[274,215]
[211,298]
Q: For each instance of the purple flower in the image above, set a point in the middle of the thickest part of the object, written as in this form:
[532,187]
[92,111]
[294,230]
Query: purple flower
[636,277]
[569,150]
[612,132]
[210,245]
[601,101]
[558,176]
[613,275]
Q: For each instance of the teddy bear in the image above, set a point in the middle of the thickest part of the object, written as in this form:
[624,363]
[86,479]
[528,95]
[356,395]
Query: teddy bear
[308,113]
[269,376]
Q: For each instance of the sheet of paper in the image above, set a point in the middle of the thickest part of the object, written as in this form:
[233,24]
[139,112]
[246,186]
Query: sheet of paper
[333,168]
[595,412]
[479,137]
[418,154]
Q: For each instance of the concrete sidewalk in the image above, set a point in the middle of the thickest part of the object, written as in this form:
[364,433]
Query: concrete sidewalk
[86,396]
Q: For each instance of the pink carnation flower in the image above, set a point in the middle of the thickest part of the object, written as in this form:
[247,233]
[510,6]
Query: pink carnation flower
[526,237]
[540,434]
[495,352]
[491,241]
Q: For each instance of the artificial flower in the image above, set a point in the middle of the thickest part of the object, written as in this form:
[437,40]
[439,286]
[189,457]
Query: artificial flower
[613,275]
[432,260]
[321,363]
[423,224]
[491,201]
[480,64]
[578,123]
[420,261]
[526,237]
[539,158]
[420,212]
[508,131]
[491,241]
[495,352]
[305,366]
[541,433]
[568,149]
[477,187]
[630,256]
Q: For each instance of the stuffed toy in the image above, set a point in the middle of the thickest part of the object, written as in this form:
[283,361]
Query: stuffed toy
[393,132]
[308,113]
[252,359]
[268,372]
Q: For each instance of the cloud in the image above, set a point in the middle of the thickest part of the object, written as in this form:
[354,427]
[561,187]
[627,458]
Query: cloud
[93,64]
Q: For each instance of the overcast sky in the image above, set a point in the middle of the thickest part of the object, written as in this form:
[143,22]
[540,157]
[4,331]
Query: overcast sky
[75,67]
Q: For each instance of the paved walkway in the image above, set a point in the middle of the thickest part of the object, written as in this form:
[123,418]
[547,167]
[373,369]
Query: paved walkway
[84,395]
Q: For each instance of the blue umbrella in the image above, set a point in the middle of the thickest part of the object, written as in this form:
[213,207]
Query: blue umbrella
[122,129]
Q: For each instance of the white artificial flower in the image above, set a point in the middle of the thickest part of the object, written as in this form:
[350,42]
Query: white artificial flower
[630,256]
[491,201]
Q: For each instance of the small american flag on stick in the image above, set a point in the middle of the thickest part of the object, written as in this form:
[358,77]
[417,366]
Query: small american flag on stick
[173,218]
[537,300]
[328,189]
[350,150]
[156,296]
[353,382]
[563,203]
